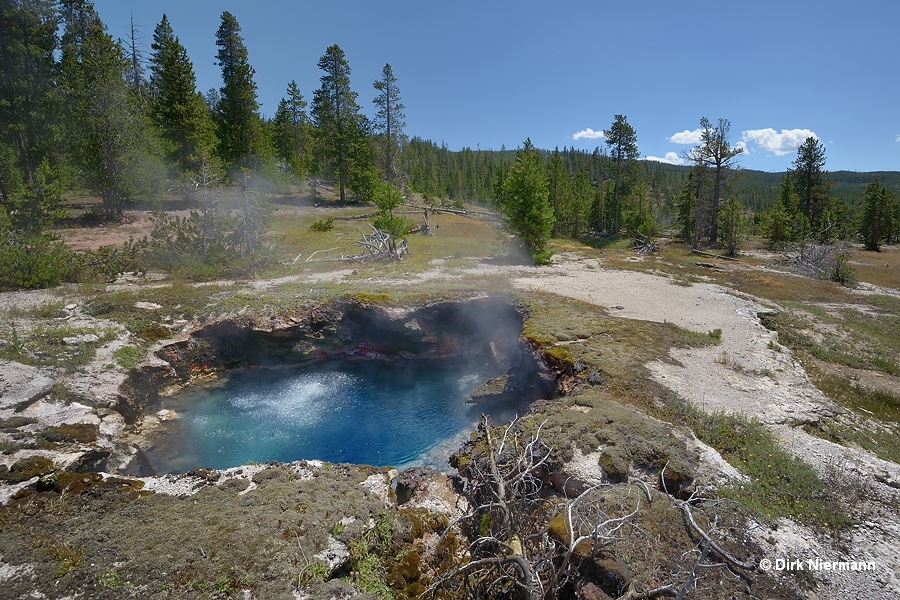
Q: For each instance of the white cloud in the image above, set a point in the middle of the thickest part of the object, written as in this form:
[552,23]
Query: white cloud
[671,158]
[898,137]
[778,143]
[686,137]
[743,146]
[589,134]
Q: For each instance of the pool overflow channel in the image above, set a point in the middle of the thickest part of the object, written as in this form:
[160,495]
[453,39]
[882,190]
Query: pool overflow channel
[347,381]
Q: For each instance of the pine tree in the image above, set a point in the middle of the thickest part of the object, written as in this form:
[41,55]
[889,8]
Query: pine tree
[876,215]
[107,136]
[340,126]
[638,214]
[177,109]
[582,196]
[28,131]
[686,206]
[388,123]
[732,226]
[811,181]
[622,142]
[293,130]
[242,140]
[784,221]
[525,202]
[716,157]
[135,77]
[560,195]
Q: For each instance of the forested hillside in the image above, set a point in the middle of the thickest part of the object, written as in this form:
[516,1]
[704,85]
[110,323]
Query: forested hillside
[87,111]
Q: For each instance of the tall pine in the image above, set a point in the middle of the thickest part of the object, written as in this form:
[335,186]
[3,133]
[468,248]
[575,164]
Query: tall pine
[388,123]
[242,137]
[714,159]
[525,202]
[340,127]
[177,108]
[876,215]
[811,181]
[293,131]
[106,134]
[621,140]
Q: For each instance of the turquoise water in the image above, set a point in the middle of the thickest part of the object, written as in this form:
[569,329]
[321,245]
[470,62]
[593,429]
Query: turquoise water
[400,413]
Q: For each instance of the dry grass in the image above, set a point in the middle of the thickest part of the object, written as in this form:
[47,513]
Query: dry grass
[878,268]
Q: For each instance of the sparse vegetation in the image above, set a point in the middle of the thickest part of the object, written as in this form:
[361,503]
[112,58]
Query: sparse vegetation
[128,356]
[323,225]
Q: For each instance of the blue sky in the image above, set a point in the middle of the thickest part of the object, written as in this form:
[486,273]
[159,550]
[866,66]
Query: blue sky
[491,73]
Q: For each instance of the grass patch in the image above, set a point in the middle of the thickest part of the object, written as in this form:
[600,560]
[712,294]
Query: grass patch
[44,345]
[695,339]
[128,357]
[861,341]
[882,440]
[369,556]
[779,486]
[849,394]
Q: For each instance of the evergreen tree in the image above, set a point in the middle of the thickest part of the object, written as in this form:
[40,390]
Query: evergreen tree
[623,150]
[387,197]
[784,221]
[293,131]
[716,156]
[811,181]
[31,255]
[388,123]
[107,136]
[777,223]
[339,124]
[686,206]
[582,196]
[525,202]
[732,226]
[876,215]
[177,109]
[560,195]
[638,214]
[242,140]
[28,131]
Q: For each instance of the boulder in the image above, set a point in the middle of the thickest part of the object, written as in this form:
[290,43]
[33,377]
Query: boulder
[21,385]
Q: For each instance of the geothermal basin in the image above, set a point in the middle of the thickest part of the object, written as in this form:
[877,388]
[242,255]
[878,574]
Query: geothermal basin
[348,383]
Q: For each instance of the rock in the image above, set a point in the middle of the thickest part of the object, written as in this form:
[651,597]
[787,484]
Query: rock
[589,591]
[379,484]
[492,390]
[411,481]
[611,574]
[166,414]
[82,338]
[21,385]
[147,305]
[335,555]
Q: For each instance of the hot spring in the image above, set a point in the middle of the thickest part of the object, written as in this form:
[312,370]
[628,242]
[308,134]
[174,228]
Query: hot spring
[374,386]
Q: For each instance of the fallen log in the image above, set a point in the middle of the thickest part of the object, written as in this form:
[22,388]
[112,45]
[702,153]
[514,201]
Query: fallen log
[713,255]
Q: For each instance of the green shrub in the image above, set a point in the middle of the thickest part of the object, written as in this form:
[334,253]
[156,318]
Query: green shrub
[108,262]
[37,262]
[323,225]
[841,270]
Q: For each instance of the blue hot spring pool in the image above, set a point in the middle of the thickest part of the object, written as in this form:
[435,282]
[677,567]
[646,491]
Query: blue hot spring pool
[400,413]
